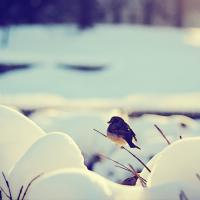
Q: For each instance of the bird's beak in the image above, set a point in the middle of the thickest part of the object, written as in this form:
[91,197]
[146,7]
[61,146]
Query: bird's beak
[109,122]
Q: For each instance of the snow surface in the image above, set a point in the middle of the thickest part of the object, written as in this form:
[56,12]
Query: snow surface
[180,161]
[163,191]
[150,141]
[65,176]
[144,69]
[17,134]
[181,102]
[171,64]
[51,152]
[70,184]
[91,143]
[80,126]
[145,173]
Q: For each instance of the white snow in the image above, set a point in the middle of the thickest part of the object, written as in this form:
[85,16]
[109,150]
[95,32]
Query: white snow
[145,173]
[136,59]
[150,141]
[66,177]
[51,152]
[80,127]
[17,134]
[163,191]
[181,102]
[178,162]
[73,184]
[144,69]
[173,170]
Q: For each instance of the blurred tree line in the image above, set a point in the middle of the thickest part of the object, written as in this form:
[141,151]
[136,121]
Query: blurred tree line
[84,12]
[87,12]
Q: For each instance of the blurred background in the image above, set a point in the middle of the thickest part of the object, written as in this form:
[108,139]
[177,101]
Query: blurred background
[86,13]
[70,65]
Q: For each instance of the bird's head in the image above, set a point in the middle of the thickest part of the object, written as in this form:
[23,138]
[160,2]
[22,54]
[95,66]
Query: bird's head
[115,119]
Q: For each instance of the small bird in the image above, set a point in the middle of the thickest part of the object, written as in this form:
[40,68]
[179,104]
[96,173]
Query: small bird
[120,132]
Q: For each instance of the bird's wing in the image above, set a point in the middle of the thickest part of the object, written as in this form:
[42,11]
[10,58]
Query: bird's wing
[131,131]
[127,128]
[125,133]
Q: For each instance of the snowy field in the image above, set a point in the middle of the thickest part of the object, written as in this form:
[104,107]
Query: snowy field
[75,82]
[134,60]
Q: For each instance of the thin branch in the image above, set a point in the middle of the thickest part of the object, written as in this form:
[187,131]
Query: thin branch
[138,159]
[161,132]
[100,133]
[131,170]
[122,147]
[20,192]
[114,161]
[28,186]
[4,192]
[8,186]
[124,168]
[142,180]
[138,175]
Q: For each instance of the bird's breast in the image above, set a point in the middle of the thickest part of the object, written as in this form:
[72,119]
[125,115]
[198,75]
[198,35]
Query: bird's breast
[116,138]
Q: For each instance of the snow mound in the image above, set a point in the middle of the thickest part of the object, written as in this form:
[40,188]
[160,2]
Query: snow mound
[51,152]
[164,191]
[73,184]
[80,125]
[17,134]
[145,173]
[180,162]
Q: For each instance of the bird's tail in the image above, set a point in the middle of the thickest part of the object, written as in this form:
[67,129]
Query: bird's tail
[133,135]
[132,145]
[135,146]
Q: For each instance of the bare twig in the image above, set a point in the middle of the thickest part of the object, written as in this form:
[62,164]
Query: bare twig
[138,159]
[28,186]
[122,147]
[4,192]
[8,186]
[131,170]
[142,180]
[20,192]
[114,161]
[182,195]
[100,133]
[123,168]
[137,173]
[161,132]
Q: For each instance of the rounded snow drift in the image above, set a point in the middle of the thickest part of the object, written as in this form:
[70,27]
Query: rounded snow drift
[73,184]
[51,152]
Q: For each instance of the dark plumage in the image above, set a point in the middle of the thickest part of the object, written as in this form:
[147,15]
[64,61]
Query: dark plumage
[120,132]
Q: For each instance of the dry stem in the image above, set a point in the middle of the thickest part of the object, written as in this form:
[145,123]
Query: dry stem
[161,132]
[122,147]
